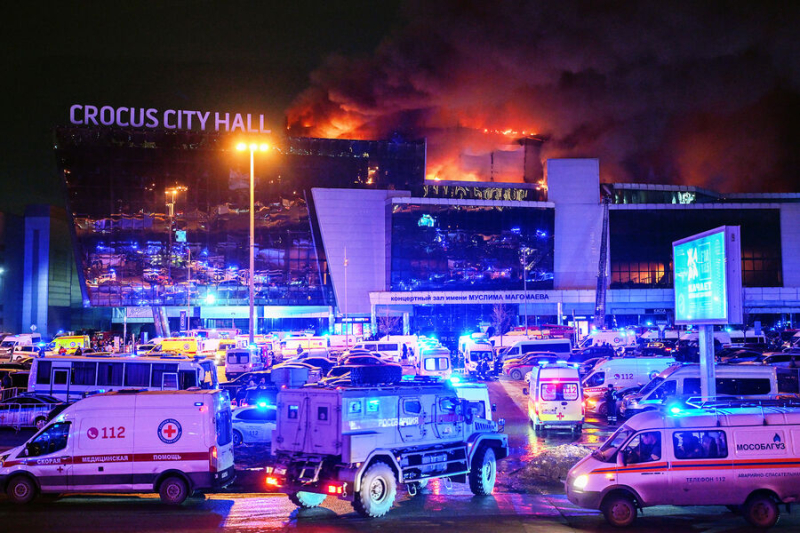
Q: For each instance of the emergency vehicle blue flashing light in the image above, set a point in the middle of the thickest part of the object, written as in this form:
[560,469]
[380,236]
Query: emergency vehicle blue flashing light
[542,363]
[675,410]
[455,380]
[262,405]
[408,377]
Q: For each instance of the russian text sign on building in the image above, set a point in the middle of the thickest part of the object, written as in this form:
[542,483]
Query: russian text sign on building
[707,270]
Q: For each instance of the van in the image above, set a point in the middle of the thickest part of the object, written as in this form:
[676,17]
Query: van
[71,343]
[240,360]
[476,351]
[182,345]
[289,345]
[623,373]
[172,443]
[392,349]
[563,347]
[619,340]
[555,398]
[756,382]
[745,458]
[434,361]
[9,343]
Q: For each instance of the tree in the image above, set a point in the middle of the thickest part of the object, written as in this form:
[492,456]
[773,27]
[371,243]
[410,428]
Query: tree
[502,318]
[387,324]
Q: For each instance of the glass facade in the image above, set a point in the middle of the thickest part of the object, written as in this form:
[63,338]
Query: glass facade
[641,244]
[138,244]
[457,247]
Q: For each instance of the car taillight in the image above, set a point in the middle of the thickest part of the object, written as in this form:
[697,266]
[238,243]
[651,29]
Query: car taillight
[334,489]
[212,459]
[273,481]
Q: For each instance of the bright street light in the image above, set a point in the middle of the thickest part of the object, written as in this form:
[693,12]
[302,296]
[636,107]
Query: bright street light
[254,147]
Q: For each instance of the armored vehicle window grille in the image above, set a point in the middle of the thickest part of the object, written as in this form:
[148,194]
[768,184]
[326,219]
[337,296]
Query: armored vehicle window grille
[700,444]
[322,413]
[447,405]
[294,411]
[373,405]
[412,406]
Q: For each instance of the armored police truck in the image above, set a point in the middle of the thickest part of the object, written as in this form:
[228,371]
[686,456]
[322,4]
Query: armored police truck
[357,442]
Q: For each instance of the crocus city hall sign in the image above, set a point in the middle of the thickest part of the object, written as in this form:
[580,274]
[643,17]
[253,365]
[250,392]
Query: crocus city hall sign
[171,119]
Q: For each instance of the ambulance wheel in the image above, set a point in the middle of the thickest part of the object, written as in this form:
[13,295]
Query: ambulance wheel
[378,491]
[21,490]
[40,423]
[761,511]
[173,491]
[306,500]
[237,438]
[516,374]
[483,472]
[619,510]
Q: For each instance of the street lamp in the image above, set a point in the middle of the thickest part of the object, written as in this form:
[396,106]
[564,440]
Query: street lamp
[171,194]
[524,253]
[253,147]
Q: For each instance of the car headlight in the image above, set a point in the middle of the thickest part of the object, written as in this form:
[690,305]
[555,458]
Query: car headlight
[581,482]
[3,459]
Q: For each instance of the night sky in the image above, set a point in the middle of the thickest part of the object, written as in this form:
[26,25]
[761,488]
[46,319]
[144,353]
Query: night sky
[701,93]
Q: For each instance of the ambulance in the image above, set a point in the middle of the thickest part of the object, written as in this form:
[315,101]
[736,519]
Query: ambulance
[172,443]
[555,398]
[745,458]
[182,345]
[623,373]
[71,343]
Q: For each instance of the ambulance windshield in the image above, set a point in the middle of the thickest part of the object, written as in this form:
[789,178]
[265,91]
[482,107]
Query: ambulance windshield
[614,442]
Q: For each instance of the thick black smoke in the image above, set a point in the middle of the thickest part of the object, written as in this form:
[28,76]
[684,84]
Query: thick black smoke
[699,93]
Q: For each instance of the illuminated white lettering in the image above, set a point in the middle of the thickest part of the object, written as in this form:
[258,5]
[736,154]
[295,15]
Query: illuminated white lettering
[238,122]
[261,127]
[188,115]
[218,121]
[134,123]
[119,116]
[107,117]
[203,117]
[72,114]
[167,123]
[152,118]
[91,115]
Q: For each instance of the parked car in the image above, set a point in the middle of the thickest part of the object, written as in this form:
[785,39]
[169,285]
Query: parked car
[517,370]
[587,366]
[27,410]
[739,356]
[254,424]
[323,363]
[579,356]
[363,360]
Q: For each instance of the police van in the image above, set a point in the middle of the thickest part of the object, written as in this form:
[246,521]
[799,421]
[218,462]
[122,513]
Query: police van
[746,458]
[555,398]
[172,443]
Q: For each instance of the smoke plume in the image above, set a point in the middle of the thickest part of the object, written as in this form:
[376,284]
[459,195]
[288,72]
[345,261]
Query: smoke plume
[697,93]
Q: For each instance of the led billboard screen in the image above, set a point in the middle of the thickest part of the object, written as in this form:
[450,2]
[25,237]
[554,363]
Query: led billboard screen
[708,277]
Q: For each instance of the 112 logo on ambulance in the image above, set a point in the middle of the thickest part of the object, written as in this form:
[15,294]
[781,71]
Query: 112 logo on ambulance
[169,431]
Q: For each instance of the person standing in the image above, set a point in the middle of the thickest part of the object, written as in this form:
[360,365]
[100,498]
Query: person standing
[611,405]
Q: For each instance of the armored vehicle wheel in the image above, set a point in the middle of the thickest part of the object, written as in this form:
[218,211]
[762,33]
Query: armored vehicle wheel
[483,472]
[306,500]
[619,510]
[378,490]
[173,491]
[761,511]
[376,374]
[516,374]
[21,490]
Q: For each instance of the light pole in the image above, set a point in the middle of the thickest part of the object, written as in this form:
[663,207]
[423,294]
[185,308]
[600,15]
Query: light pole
[346,329]
[171,195]
[523,260]
[254,147]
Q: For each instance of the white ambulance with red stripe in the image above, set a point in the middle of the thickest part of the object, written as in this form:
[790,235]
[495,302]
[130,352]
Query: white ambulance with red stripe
[745,458]
[555,398]
[169,442]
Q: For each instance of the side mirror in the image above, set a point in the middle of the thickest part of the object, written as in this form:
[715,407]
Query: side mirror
[525,391]
[622,459]
[501,424]
[494,407]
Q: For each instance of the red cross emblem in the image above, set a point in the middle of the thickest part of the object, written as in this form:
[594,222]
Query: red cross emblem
[169,431]
[560,416]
